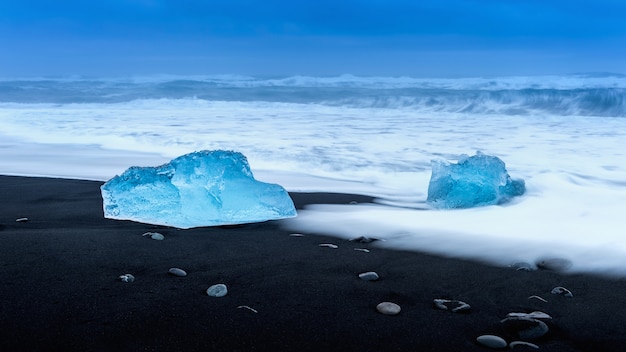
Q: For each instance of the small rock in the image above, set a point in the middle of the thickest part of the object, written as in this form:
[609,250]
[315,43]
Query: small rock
[555,264]
[562,291]
[177,272]
[491,341]
[514,344]
[532,315]
[526,328]
[537,297]
[329,245]
[369,276]
[362,250]
[388,308]
[218,290]
[127,278]
[453,305]
[21,220]
[296,235]
[154,235]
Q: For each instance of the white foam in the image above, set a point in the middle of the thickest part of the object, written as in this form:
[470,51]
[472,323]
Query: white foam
[573,167]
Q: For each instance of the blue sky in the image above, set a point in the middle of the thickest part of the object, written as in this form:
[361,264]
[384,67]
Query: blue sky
[434,38]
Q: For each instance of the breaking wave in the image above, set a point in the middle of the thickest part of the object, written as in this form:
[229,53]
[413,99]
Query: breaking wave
[584,95]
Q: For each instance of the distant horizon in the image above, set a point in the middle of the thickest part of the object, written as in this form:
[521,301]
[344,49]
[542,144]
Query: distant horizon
[201,76]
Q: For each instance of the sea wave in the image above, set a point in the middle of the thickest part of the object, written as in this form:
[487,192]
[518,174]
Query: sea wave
[584,95]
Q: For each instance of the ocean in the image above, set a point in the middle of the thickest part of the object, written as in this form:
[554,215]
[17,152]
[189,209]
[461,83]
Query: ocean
[564,135]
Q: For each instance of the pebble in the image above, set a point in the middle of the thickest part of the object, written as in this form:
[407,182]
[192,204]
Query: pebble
[154,235]
[388,308]
[365,250]
[526,328]
[537,297]
[177,272]
[218,290]
[21,220]
[532,315]
[559,290]
[491,341]
[296,235]
[514,344]
[453,305]
[127,278]
[329,245]
[555,264]
[369,276]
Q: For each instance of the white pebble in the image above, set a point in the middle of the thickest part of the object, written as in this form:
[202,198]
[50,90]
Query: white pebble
[127,278]
[177,272]
[513,344]
[491,341]
[533,315]
[329,245]
[154,235]
[388,308]
[21,220]
[369,276]
[296,235]
[218,290]
[537,297]
[559,290]
[362,250]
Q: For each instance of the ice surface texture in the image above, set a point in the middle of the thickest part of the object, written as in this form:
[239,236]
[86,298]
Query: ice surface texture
[474,181]
[204,188]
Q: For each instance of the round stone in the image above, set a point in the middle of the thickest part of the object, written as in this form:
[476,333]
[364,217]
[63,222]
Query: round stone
[177,272]
[218,290]
[127,278]
[559,290]
[514,344]
[491,341]
[388,308]
[369,276]
[154,235]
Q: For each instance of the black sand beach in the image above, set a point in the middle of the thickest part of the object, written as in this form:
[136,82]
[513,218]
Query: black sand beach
[61,290]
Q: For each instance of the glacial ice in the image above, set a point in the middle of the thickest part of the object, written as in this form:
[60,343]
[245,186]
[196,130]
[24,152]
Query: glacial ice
[474,181]
[205,188]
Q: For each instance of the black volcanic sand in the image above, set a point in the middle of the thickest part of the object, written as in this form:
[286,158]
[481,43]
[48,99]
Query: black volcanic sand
[60,288]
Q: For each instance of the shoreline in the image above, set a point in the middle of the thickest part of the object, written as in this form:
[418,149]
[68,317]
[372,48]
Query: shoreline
[61,289]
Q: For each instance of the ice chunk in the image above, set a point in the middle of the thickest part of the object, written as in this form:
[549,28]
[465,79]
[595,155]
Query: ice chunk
[203,188]
[474,181]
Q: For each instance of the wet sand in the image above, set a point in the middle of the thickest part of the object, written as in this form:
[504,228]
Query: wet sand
[61,289]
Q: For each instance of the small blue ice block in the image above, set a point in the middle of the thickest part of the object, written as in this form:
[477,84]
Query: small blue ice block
[205,188]
[474,181]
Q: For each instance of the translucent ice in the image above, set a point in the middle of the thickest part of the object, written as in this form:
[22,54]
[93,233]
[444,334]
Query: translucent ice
[474,181]
[205,188]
